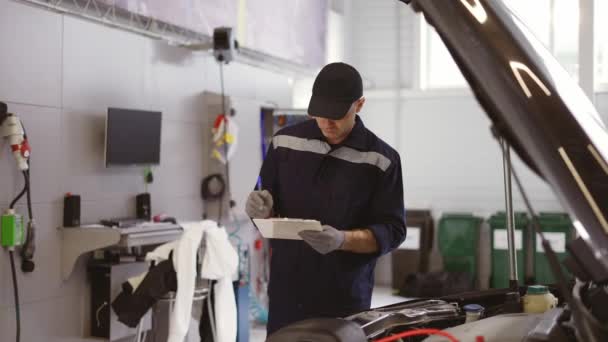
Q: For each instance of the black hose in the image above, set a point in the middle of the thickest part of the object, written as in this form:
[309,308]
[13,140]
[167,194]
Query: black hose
[16,291]
[28,248]
[26,189]
[26,175]
[16,199]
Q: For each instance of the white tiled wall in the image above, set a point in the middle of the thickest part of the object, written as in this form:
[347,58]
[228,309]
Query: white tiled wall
[31,55]
[380,116]
[452,162]
[59,74]
[54,318]
[106,69]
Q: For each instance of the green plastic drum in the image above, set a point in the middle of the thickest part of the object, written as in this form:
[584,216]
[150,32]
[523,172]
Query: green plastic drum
[558,229]
[458,239]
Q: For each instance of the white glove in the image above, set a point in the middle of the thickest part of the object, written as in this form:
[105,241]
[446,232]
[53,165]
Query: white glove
[325,241]
[259,204]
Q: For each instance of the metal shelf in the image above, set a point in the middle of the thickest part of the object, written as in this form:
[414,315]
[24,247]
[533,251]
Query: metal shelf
[80,240]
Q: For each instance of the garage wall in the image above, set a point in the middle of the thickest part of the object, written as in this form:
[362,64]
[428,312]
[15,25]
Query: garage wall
[59,74]
[451,162]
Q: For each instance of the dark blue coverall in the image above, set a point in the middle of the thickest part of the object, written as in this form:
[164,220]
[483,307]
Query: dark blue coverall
[354,185]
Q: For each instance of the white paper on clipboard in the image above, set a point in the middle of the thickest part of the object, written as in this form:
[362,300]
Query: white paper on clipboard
[284,228]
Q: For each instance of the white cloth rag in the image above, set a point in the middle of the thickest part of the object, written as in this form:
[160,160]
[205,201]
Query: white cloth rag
[184,262]
[220,262]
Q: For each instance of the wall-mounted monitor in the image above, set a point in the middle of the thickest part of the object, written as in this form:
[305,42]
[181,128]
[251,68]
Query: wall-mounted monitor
[132,137]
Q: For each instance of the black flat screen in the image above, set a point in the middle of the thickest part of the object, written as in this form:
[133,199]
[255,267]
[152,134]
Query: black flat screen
[133,137]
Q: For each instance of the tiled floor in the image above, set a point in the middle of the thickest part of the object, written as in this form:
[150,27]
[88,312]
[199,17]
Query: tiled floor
[380,297]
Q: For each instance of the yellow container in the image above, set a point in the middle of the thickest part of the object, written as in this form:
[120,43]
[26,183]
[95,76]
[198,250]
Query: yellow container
[538,299]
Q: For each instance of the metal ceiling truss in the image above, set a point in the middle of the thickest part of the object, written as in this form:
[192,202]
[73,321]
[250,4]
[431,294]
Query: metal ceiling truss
[112,15]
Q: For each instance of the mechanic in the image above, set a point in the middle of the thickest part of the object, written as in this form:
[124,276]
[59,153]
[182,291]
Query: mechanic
[334,170]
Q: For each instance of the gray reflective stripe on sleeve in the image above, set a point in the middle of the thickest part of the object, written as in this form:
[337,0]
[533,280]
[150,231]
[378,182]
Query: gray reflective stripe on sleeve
[354,156]
[301,144]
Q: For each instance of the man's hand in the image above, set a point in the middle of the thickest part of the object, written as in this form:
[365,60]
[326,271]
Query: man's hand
[325,241]
[259,204]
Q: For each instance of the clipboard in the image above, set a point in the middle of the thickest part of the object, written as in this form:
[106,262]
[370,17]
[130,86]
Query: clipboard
[285,228]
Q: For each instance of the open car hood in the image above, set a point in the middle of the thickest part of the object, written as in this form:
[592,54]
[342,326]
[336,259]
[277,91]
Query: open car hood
[536,106]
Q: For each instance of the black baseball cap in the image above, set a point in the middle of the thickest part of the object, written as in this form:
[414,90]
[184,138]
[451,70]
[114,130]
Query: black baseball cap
[336,87]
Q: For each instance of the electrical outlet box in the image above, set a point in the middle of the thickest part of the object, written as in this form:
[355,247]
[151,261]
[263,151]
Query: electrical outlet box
[11,230]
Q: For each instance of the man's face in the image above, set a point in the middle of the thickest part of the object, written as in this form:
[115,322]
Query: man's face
[336,131]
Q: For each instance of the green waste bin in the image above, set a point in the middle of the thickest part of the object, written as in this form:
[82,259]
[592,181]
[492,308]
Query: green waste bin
[500,251]
[458,240]
[558,229]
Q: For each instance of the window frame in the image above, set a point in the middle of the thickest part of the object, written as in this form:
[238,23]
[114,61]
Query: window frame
[601,86]
[425,35]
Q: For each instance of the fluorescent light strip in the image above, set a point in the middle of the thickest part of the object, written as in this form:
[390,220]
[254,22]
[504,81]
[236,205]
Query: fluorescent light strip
[583,188]
[599,159]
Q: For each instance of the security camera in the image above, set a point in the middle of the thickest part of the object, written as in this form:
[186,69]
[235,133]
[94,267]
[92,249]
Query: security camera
[225,45]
